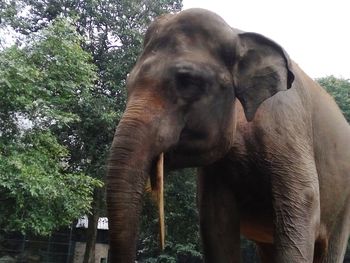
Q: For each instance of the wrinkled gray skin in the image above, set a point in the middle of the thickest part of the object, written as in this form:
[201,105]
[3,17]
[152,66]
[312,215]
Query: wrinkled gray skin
[281,178]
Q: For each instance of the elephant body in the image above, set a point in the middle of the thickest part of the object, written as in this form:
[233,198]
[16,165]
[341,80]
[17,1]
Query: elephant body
[271,145]
[302,160]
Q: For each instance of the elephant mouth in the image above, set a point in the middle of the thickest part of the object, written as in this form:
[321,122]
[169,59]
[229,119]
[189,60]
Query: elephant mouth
[189,151]
[188,134]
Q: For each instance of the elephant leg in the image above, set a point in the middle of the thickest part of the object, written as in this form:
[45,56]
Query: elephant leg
[219,221]
[338,240]
[296,204]
[265,252]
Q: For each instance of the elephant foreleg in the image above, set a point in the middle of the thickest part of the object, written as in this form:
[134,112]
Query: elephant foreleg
[338,240]
[296,210]
[219,221]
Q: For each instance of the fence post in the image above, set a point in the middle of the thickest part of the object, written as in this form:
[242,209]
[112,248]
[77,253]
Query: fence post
[70,244]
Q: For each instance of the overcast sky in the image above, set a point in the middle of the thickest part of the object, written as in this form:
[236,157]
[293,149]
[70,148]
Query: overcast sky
[315,33]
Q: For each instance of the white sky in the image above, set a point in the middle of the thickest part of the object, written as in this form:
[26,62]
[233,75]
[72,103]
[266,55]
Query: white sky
[315,33]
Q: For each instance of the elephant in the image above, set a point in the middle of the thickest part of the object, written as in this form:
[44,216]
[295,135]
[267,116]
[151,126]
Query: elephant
[271,147]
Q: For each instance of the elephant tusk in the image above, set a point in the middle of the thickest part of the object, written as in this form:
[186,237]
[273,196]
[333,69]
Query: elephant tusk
[160,199]
[155,186]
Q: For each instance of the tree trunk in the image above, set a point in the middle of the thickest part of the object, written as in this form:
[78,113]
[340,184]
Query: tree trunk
[91,234]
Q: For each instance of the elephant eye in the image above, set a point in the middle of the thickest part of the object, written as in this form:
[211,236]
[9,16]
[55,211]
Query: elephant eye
[189,86]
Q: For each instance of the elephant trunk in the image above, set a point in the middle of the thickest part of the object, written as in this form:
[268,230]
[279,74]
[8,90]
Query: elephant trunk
[126,179]
[135,149]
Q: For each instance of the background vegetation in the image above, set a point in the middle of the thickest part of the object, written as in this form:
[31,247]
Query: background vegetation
[62,92]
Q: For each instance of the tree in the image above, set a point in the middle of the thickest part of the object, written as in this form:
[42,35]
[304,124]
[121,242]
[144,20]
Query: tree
[112,32]
[37,86]
[340,89]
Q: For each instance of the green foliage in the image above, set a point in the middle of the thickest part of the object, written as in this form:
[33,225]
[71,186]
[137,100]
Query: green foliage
[340,89]
[111,32]
[44,80]
[39,85]
[37,194]
[16,88]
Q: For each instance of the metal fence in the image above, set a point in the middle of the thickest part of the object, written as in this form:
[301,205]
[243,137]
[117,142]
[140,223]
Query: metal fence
[17,248]
[60,247]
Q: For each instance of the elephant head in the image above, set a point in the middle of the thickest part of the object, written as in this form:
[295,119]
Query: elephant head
[181,97]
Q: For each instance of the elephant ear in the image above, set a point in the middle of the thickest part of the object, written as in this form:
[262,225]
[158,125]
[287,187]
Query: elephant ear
[261,70]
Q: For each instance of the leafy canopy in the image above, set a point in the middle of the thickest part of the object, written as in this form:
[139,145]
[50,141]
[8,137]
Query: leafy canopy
[38,86]
[339,88]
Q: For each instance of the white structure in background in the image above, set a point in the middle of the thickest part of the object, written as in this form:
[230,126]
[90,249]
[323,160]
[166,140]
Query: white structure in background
[101,249]
[102,224]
